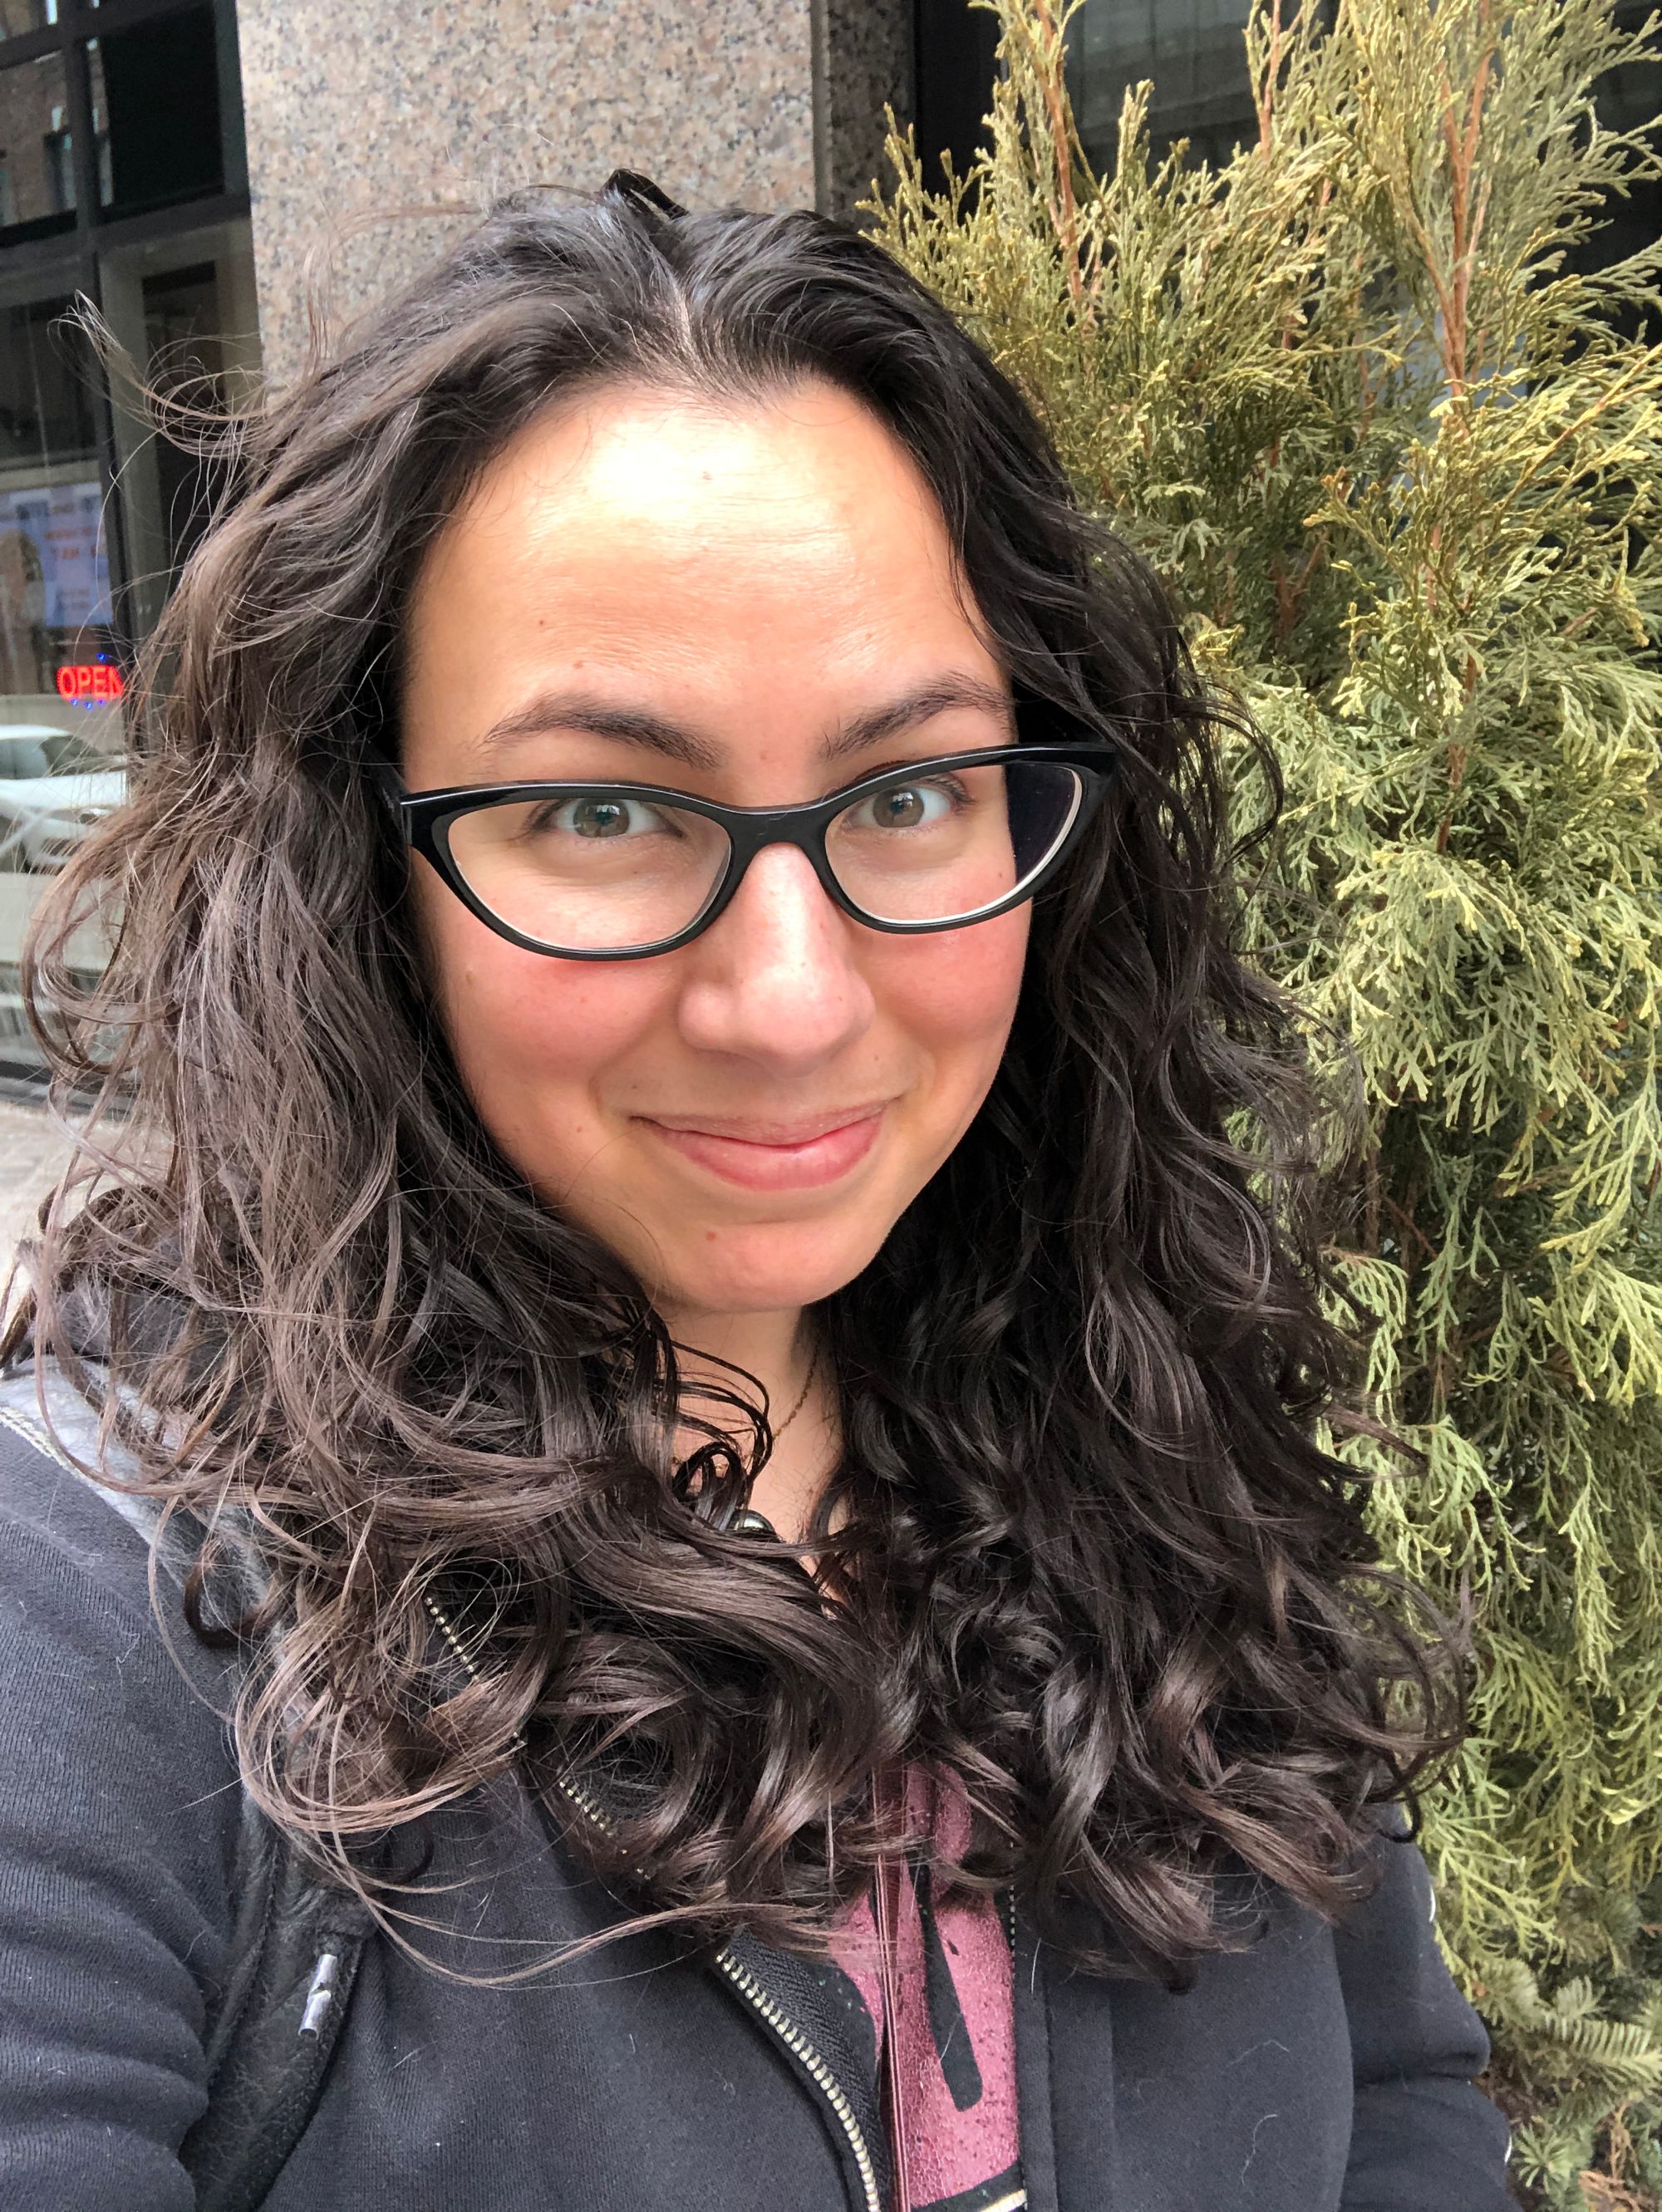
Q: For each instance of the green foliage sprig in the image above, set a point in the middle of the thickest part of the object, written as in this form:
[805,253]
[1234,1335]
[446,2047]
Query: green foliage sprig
[1395,445]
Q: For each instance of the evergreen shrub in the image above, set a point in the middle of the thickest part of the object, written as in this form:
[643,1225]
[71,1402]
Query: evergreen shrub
[1394,443]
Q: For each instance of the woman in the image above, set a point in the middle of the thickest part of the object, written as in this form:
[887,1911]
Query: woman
[720,1230]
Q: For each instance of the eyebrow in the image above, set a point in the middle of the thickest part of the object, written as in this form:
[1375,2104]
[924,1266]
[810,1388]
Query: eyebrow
[674,741]
[918,706]
[633,725]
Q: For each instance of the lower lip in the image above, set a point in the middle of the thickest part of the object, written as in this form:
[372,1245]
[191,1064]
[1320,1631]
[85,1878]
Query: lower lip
[821,1160]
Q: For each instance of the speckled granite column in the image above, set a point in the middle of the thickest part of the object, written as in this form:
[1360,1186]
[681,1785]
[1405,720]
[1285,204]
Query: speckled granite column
[363,121]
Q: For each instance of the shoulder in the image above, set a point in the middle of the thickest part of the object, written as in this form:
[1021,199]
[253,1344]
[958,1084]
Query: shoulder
[1381,1965]
[1319,2064]
[1403,2008]
[76,1552]
[120,1812]
[109,1697]
[59,1528]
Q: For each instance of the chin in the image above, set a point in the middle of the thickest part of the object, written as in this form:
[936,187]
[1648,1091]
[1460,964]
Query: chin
[765,1270]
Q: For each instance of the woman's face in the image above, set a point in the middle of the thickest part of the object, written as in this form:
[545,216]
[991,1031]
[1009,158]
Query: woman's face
[730,590]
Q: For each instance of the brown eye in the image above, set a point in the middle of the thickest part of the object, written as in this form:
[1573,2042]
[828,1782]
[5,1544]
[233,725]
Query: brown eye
[597,818]
[908,807]
[899,810]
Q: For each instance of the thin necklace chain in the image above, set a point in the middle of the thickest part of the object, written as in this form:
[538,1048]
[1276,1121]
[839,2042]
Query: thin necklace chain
[802,1396]
[814,1369]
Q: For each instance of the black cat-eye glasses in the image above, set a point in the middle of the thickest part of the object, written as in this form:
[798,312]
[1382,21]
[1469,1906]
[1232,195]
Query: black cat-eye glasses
[622,871]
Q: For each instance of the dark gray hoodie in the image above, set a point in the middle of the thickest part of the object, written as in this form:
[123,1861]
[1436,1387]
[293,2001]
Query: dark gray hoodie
[1314,2073]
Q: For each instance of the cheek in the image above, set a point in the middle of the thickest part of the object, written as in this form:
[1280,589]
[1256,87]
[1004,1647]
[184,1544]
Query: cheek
[955,996]
[533,1036]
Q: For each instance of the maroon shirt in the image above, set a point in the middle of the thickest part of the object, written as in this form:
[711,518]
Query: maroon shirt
[955,2033]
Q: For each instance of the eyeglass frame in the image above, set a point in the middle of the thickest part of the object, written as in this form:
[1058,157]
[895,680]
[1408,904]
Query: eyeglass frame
[426,817]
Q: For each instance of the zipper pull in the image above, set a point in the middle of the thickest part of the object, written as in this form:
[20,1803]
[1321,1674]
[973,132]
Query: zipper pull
[319,1993]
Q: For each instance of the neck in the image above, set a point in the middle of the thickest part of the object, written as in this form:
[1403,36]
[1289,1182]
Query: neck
[777,1349]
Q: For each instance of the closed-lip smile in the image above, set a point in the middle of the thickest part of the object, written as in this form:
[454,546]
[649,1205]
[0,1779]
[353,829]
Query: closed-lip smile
[798,1152]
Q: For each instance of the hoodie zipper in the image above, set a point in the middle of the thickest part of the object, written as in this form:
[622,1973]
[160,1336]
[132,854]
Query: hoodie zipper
[749,1989]
[779,2022]
[800,2049]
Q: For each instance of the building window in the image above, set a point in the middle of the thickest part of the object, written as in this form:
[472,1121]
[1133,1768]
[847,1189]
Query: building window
[122,178]
[60,166]
[54,609]
[1192,51]
[955,52]
[158,86]
[35,142]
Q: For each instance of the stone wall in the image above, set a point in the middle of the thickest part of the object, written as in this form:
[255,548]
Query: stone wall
[375,134]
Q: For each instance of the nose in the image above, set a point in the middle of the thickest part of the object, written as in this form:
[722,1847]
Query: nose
[777,978]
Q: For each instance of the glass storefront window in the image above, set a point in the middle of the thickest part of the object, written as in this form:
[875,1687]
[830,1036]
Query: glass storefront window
[61,720]
[184,310]
[37,155]
[55,612]
[155,112]
[183,326]
[133,111]
[54,588]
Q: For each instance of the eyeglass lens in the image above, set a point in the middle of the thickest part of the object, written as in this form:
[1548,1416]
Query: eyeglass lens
[609,871]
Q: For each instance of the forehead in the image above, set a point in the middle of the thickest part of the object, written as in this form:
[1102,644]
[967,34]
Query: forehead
[704,544]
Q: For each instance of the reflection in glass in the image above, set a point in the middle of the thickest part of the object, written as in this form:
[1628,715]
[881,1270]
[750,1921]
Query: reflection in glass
[154,92]
[1194,51]
[184,344]
[37,155]
[100,121]
[61,734]
[17,17]
[54,562]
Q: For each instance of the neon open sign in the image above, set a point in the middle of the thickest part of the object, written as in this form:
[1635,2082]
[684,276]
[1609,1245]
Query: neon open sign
[94,679]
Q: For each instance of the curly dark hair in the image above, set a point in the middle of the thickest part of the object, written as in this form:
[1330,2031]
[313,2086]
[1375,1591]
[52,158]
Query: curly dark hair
[1089,1552]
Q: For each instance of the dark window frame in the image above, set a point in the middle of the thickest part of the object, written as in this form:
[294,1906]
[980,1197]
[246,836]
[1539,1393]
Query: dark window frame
[78,21]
